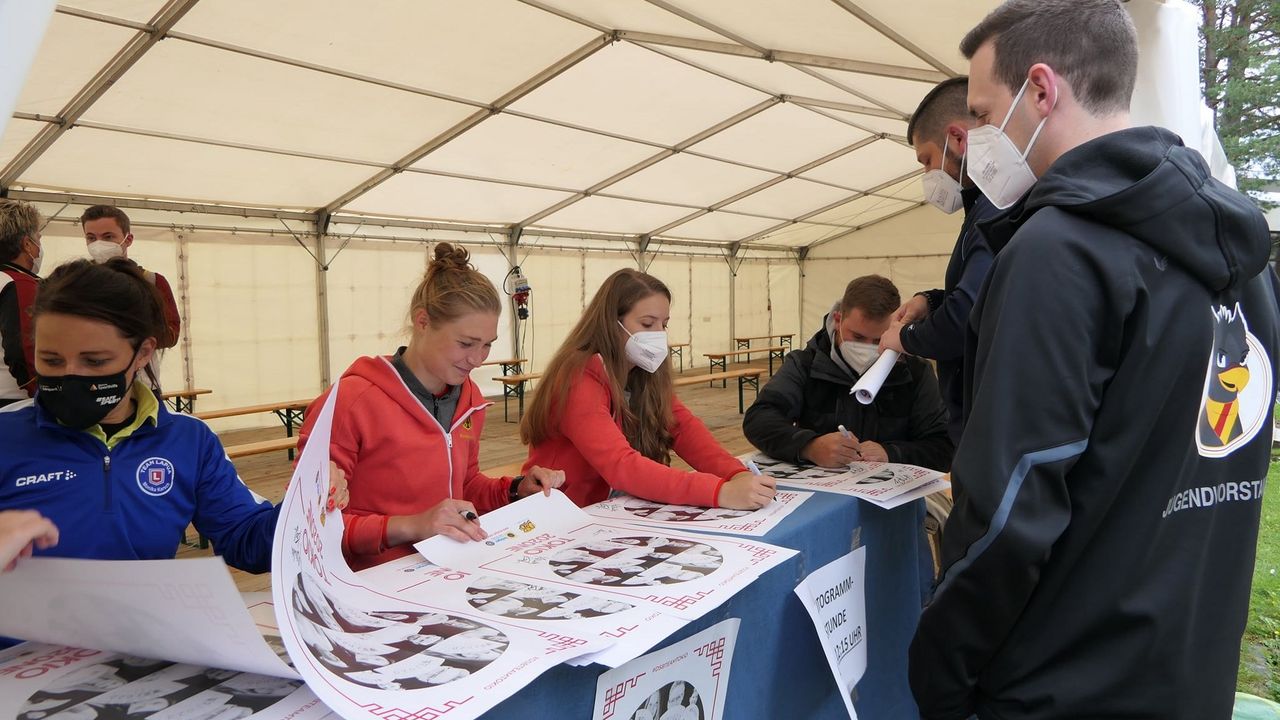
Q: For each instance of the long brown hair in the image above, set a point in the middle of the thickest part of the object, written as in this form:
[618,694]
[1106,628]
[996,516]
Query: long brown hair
[647,418]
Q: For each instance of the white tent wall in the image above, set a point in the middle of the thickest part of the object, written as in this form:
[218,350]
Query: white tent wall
[253,321]
[709,284]
[784,298]
[751,299]
[912,250]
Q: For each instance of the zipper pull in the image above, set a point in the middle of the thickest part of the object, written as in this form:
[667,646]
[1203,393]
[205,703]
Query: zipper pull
[106,463]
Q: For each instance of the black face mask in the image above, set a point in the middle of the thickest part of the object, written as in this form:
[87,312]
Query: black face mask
[81,401]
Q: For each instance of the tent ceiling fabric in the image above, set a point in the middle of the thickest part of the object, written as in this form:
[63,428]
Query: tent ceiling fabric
[715,121]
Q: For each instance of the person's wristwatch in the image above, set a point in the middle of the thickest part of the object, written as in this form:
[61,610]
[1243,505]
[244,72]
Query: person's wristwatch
[513,493]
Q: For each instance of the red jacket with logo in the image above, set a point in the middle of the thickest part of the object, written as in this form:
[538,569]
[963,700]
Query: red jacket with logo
[398,459]
[594,454]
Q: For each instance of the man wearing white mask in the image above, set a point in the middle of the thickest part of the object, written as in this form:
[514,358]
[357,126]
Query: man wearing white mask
[934,324]
[1108,487]
[20,254]
[806,414]
[106,236]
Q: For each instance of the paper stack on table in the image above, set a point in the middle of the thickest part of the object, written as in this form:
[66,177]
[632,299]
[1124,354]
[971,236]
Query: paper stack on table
[887,485]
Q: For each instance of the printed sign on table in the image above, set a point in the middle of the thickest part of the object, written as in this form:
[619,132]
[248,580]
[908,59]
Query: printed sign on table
[369,654]
[755,523]
[548,541]
[687,681]
[833,595]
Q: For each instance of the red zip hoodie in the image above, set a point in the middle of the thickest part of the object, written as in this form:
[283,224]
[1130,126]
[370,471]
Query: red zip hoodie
[398,459]
[594,454]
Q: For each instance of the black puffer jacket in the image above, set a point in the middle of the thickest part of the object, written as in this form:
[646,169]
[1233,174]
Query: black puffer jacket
[810,397]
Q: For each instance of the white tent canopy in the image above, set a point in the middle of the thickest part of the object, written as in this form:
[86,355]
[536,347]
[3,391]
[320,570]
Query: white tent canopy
[725,145]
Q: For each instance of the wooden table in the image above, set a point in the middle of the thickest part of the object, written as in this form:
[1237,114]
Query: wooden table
[183,401]
[513,385]
[784,339]
[677,350]
[290,413]
[721,360]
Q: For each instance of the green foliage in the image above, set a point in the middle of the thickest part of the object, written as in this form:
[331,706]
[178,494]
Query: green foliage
[1240,74]
[1260,653]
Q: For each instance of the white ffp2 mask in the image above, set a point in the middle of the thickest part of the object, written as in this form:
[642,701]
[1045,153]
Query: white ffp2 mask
[996,165]
[940,189]
[646,350]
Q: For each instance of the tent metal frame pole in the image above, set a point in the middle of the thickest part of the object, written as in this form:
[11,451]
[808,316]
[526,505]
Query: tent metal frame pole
[764,186]
[751,50]
[890,216]
[184,305]
[554,70]
[167,205]
[142,41]
[322,302]
[679,147]
[898,39]
[813,213]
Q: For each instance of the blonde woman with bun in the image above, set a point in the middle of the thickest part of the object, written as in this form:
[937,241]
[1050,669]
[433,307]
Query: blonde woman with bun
[406,426]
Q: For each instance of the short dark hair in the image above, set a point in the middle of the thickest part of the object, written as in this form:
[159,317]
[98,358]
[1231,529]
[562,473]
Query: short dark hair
[875,295]
[98,212]
[945,103]
[115,292]
[1091,43]
[18,220]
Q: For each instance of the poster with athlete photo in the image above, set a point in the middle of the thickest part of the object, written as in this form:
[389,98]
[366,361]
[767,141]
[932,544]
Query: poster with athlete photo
[543,540]
[687,681]
[887,485]
[369,654]
[754,523]
[55,682]
[631,628]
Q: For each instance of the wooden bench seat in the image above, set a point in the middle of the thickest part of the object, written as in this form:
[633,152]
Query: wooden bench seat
[289,411]
[745,376]
[721,359]
[513,386]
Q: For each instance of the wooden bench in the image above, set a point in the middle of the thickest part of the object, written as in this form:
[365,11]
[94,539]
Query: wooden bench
[677,350]
[784,339]
[290,413]
[721,360]
[183,401]
[245,450]
[745,376]
[509,367]
[289,443]
[513,385]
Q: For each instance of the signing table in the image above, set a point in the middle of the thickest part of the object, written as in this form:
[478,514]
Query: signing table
[779,670]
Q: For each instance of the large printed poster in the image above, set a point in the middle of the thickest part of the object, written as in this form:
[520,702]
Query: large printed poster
[367,652]
[548,541]
[687,681]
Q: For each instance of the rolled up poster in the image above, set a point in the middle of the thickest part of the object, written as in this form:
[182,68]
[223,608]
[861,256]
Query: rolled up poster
[868,386]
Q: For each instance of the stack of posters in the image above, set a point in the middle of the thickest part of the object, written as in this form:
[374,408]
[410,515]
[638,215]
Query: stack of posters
[886,485]
[755,523]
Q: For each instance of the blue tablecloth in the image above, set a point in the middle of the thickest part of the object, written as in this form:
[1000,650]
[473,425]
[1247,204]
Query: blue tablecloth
[779,671]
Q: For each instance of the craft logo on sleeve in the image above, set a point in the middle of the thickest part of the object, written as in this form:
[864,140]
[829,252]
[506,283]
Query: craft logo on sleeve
[1237,386]
[155,476]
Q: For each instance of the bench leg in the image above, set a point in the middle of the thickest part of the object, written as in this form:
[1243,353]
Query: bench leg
[741,381]
[520,392]
[505,395]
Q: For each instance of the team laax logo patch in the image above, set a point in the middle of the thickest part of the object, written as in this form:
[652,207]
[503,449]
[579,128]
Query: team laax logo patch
[1237,387]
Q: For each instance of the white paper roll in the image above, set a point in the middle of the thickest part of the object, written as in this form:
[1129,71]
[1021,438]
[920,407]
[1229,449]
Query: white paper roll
[868,386]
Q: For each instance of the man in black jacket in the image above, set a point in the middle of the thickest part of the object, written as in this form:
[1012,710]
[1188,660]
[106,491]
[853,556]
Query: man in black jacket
[1121,379]
[798,414]
[934,324]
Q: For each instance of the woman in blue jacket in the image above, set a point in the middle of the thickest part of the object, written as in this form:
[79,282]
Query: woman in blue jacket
[99,455]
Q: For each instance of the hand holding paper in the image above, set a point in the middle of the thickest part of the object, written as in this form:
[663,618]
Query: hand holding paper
[868,386]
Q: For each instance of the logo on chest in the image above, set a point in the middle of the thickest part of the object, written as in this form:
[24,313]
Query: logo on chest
[42,478]
[155,476]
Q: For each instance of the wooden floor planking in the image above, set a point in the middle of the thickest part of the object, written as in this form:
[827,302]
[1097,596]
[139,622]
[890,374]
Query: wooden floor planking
[500,444]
